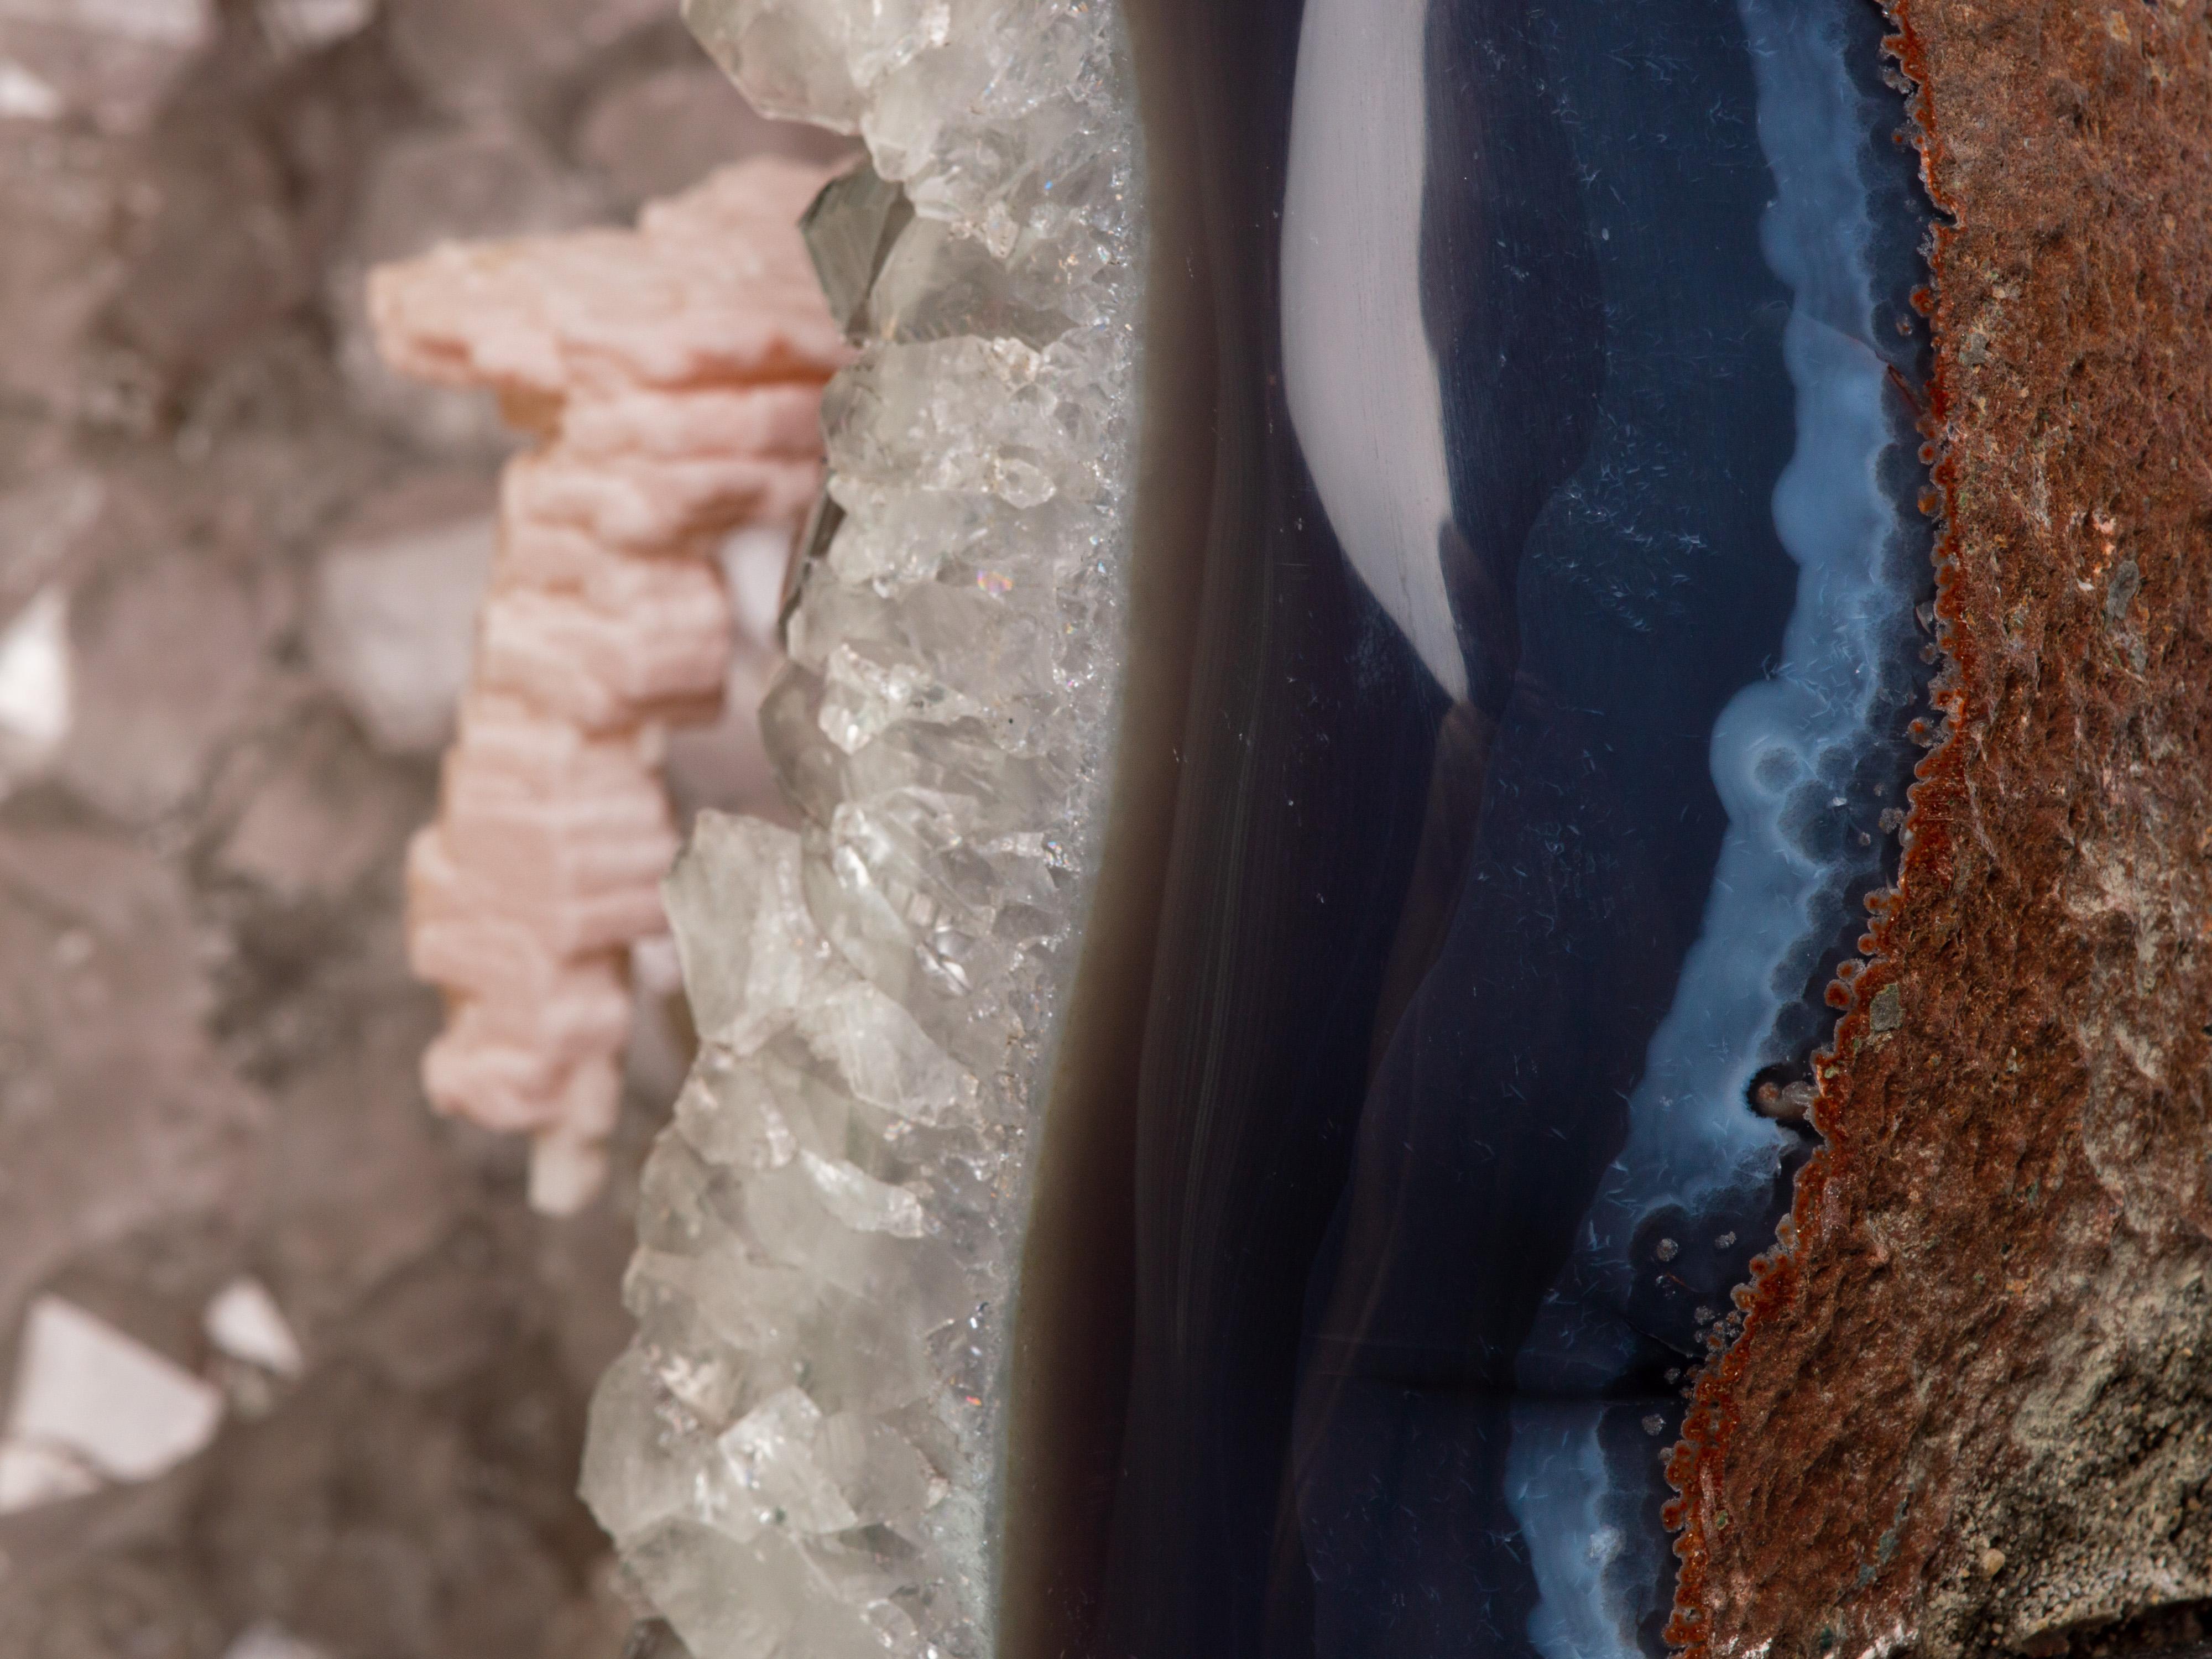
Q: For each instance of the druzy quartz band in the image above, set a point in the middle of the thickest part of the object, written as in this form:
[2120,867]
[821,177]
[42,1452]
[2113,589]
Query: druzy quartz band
[1346,702]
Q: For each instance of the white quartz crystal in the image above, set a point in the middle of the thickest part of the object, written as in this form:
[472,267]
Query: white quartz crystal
[391,624]
[33,1474]
[87,1392]
[35,680]
[26,96]
[178,22]
[798,1455]
[270,1640]
[310,25]
[244,1321]
[115,60]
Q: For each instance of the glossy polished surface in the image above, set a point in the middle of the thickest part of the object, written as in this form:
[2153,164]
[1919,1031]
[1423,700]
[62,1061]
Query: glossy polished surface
[1553,654]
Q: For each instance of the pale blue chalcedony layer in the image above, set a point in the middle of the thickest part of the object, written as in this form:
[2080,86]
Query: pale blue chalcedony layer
[1691,1140]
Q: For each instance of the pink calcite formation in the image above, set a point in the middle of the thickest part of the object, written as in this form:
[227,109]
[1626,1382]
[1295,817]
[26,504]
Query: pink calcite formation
[673,377]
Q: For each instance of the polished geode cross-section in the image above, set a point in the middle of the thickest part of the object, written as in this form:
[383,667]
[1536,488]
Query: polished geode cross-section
[1340,779]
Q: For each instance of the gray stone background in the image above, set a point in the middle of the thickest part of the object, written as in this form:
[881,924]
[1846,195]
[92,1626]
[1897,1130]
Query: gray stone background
[269,550]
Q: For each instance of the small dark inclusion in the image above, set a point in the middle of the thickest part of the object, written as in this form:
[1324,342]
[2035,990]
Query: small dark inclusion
[1410,1299]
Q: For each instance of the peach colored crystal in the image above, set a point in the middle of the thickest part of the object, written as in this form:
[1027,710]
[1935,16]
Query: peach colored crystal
[673,376]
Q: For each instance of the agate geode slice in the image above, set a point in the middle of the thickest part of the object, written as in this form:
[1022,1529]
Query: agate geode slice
[1342,780]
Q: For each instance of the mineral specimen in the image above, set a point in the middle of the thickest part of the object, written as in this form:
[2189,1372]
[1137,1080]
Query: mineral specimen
[1969,1410]
[310,25]
[1267,1196]
[35,685]
[267,1639]
[93,1404]
[673,375]
[800,1453]
[1584,523]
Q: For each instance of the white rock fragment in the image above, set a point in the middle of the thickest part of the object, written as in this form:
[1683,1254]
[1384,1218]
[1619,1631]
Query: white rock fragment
[391,626]
[85,1389]
[34,682]
[116,59]
[753,562]
[169,23]
[270,1640]
[863,1203]
[672,376]
[747,946]
[24,96]
[244,1321]
[568,1167]
[654,967]
[311,25]
[33,1474]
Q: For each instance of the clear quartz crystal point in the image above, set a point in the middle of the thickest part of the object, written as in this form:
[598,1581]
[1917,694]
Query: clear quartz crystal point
[788,57]
[799,1453]
[849,230]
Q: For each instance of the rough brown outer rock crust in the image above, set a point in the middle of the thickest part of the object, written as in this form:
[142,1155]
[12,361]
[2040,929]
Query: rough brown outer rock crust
[1970,1411]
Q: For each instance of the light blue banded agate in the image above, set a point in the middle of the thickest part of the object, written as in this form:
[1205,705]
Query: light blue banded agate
[1786,752]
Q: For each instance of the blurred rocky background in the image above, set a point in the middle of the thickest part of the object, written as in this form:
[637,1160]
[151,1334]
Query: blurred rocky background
[288,1367]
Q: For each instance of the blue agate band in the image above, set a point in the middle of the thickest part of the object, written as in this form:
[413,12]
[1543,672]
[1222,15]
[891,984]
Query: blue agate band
[1696,654]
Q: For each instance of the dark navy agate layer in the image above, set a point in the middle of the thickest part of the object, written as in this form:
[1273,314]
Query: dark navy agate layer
[1556,650]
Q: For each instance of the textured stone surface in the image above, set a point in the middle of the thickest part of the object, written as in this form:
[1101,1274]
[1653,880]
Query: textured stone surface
[89,1392]
[113,60]
[1968,1413]
[672,374]
[797,1453]
[244,1322]
[35,700]
[209,1035]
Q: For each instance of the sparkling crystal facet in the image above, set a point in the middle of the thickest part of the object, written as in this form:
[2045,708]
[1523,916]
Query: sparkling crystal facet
[796,1455]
